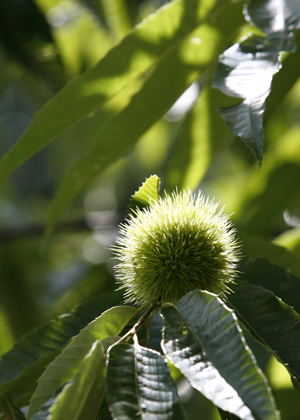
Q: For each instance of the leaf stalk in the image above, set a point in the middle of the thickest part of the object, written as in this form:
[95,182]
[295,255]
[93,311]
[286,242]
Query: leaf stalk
[138,324]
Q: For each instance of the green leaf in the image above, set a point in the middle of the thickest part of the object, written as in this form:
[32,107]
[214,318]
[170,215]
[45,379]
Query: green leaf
[270,321]
[276,279]
[9,410]
[258,247]
[72,400]
[284,80]
[43,413]
[158,93]
[276,19]
[276,193]
[65,366]
[200,136]
[246,70]
[104,413]
[203,340]
[296,385]
[243,66]
[148,192]
[21,367]
[116,17]
[155,333]
[227,416]
[139,385]
[137,53]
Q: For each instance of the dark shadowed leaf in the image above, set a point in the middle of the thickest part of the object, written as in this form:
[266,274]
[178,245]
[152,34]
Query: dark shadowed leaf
[155,334]
[9,410]
[269,320]
[139,385]
[257,247]
[202,339]
[104,413]
[67,364]
[278,280]
[227,416]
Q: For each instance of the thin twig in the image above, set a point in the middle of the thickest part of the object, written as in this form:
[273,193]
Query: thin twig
[139,323]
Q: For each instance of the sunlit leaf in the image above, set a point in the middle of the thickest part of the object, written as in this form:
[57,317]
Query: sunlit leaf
[116,16]
[67,364]
[290,240]
[5,332]
[246,69]
[139,385]
[263,213]
[83,42]
[147,192]
[21,367]
[157,94]
[71,401]
[203,340]
[277,19]
[198,139]
[284,80]
[137,53]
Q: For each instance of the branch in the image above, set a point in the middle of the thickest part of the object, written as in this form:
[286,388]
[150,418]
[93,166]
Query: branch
[138,324]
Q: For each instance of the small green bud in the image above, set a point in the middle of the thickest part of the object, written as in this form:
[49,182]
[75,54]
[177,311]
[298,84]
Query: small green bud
[178,244]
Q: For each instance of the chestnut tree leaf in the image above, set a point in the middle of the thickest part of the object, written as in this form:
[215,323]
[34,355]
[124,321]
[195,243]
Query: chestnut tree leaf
[202,338]
[139,384]
[246,69]
[172,74]
[200,136]
[138,53]
[74,398]
[67,364]
[272,322]
[148,192]
[21,367]
[276,279]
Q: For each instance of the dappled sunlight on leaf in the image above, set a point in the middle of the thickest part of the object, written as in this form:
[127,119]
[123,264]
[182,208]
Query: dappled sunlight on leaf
[246,70]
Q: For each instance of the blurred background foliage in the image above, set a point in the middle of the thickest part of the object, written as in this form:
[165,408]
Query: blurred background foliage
[45,43]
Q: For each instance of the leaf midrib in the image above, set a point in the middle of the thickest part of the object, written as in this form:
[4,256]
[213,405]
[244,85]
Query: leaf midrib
[204,349]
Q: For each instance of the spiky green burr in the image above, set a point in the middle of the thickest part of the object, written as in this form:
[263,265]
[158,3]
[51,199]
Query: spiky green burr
[178,244]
